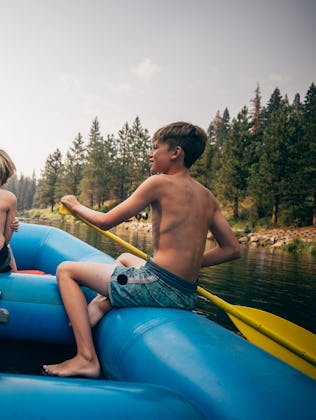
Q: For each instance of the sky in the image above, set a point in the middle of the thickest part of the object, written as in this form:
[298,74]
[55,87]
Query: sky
[65,62]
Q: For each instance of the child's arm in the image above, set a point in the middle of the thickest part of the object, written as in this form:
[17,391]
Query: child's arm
[228,248]
[11,216]
[141,198]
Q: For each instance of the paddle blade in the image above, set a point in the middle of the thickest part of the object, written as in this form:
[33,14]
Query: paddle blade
[64,210]
[289,342]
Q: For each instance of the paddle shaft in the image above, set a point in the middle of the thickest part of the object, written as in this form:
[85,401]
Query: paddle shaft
[227,307]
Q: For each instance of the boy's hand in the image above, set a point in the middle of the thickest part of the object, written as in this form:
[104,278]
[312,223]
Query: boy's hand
[15,225]
[70,202]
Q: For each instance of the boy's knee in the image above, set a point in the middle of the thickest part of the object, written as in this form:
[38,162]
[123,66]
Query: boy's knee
[63,268]
[123,258]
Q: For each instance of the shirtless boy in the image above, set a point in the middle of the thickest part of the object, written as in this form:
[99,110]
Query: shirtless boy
[182,213]
[8,221]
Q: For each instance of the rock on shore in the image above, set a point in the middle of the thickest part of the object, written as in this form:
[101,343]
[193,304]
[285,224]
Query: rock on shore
[278,236]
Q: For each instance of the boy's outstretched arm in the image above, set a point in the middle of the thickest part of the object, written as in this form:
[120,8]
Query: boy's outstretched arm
[140,199]
[228,248]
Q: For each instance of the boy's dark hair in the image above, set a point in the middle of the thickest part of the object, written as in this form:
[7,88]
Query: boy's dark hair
[191,138]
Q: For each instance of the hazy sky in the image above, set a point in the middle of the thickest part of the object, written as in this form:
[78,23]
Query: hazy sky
[65,62]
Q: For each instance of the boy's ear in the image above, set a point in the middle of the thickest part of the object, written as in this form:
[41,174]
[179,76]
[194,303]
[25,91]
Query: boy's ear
[177,152]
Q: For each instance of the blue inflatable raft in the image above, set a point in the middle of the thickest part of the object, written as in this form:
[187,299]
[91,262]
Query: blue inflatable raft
[156,362]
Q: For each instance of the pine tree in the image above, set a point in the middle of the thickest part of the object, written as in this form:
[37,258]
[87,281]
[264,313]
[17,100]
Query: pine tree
[73,168]
[257,125]
[202,169]
[257,120]
[47,185]
[256,112]
[140,148]
[270,175]
[294,193]
[91,184]
[22,192]
[218,134]
[218,130]
[24,189]
[233,173]
[309,157]
[124,161]
[31,190]
[107,170]
[12,184]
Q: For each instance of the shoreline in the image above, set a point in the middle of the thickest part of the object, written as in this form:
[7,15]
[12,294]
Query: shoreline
[278,237]
[273,238]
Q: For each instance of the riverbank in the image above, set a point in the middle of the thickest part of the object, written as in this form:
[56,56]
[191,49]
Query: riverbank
[292,239]
[262,237]
[289,238]
[278,237]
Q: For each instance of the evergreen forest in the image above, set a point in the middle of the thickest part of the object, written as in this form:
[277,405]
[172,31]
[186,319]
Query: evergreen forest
[261,164]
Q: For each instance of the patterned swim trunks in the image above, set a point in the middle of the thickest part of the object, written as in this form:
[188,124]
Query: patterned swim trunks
[150,285]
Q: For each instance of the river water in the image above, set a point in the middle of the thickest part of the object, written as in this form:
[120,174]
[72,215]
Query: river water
[269,279]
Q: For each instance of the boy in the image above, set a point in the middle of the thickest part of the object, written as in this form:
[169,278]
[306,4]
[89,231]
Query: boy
[8,221]
[183,211]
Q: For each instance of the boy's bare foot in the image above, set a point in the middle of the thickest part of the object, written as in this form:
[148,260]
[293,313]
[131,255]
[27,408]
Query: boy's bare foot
[77,366]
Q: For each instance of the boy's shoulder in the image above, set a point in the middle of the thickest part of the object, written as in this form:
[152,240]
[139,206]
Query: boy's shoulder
[156,179]
[7,195]
[163,181]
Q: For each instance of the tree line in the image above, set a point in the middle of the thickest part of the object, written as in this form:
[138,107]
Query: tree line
[260,164]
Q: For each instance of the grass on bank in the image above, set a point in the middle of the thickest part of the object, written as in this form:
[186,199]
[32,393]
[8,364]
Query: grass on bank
[299,247]
[40,214]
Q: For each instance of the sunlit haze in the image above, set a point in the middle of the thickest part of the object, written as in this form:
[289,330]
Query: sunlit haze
[63,63]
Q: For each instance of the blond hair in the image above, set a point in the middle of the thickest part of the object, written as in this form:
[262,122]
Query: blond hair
[7,167]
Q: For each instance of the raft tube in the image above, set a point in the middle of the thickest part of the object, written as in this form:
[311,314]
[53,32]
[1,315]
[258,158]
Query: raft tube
[33,302]
[33,397]
[223,374]
[215,370]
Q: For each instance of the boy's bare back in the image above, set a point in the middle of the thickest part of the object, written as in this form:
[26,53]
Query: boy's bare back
[183,212]
[181,218]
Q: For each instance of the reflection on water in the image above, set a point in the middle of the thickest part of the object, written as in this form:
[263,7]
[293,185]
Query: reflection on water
[272,280]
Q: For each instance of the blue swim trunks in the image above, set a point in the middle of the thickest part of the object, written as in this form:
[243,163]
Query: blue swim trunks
[150,285]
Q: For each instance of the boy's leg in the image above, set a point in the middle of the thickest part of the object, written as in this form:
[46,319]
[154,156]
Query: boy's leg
[12,263]
[70,276]
[97,308]
[100,305]
[130,260]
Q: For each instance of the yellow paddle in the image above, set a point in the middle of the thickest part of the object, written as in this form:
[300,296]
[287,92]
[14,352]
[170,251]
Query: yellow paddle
[287,341]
